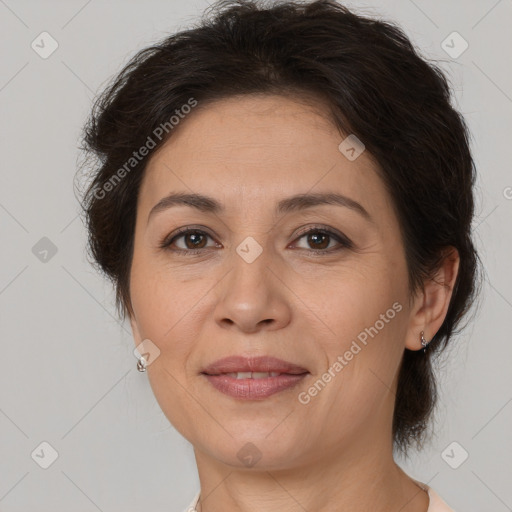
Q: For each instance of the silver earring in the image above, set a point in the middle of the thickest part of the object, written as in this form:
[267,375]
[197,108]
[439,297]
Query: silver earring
[424,342]
[141,364]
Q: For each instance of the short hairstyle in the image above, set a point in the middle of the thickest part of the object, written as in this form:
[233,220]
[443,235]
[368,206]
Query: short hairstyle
[376,86]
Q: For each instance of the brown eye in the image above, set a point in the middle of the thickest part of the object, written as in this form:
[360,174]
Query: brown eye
[191,241]
[320,240]
[196,240]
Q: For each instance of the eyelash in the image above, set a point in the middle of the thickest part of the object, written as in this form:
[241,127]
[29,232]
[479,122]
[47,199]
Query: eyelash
[341,239]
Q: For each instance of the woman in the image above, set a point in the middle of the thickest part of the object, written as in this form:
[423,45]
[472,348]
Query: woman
[283,200]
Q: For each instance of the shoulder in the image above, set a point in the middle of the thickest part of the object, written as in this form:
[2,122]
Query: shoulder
[436,503]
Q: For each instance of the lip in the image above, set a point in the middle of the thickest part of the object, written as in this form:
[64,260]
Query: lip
[253,388]
[252,364]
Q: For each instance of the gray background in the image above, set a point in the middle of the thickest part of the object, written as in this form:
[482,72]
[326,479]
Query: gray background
[68,371]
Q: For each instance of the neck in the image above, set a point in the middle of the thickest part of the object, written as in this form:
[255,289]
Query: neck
[356,478]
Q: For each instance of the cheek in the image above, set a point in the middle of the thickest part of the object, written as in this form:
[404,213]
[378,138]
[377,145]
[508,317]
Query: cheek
[164,310]
[363,355]
[171,312]
[366,315]
[157,296]
[360,300]
[156,302]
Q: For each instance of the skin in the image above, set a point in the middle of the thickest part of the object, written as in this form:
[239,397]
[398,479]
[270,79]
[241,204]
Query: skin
[248,153]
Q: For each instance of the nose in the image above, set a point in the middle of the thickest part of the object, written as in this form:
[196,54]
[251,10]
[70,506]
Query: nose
[253,296]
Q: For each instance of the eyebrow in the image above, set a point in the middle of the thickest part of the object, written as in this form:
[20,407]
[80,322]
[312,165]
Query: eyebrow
[290,204]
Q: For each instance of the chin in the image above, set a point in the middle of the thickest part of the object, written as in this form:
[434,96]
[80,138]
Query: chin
[254,452]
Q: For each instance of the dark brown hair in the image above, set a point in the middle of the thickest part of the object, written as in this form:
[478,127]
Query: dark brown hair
[375,85]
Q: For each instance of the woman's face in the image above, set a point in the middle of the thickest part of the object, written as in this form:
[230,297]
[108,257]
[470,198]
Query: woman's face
[249,281]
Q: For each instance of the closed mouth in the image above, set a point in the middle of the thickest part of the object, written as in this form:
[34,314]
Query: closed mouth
[260,367]
[254,375]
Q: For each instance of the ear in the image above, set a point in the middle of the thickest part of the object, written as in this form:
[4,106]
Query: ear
[431,304]
[135,329]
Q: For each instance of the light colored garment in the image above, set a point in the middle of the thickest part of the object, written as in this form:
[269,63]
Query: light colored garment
[436,503]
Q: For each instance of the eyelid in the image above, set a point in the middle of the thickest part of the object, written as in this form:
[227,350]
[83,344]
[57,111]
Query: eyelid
[333,233]
[168,239]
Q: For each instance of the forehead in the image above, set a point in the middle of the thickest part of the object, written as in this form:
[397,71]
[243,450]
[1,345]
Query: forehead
[256,148]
